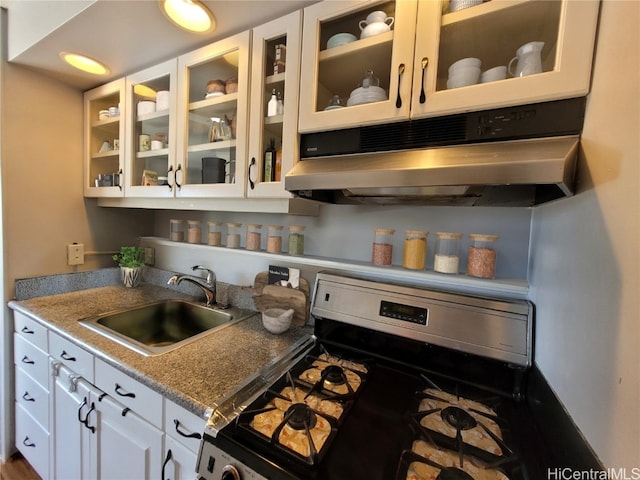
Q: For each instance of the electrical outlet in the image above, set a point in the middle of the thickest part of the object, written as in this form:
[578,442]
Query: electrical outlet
[149,256]
[75,254]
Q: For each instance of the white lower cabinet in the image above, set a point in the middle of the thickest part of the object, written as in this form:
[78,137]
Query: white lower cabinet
[183,432]
[179,461]
[33,441]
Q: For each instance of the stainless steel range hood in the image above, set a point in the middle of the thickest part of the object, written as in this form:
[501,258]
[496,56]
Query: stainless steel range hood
[511,173]
[511,156]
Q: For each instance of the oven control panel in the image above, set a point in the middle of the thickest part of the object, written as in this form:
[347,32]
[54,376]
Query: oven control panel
[404,312]
[214,464]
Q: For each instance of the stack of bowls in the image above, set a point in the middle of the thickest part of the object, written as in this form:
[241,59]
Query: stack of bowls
[366,95]
[456,5]
[340,39]
[464,72]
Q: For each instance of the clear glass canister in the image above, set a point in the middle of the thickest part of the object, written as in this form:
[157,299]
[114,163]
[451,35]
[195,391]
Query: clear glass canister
[176,230]
[415,249]
[194,231]
[296,240]
[214,237]
[447,257]
[482,255]
[233,235]
[382,250]
[274,238]
[254,236]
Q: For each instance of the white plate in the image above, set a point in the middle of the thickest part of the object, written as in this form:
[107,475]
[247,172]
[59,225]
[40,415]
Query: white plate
[214,94]
[351,102]
[333,107]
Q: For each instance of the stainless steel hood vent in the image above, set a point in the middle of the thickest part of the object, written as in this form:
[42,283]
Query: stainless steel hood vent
[521,156]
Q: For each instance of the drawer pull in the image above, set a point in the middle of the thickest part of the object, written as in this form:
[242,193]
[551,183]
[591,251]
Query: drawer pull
[185,435]
[28,443]
[65,356]
[28,398]
[27,330]
[28,361]
[123,393]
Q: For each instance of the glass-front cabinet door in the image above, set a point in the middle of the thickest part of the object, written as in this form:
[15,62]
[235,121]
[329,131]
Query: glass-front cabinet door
[357,63]
[473,55]
[273,139]
[151,156]
[212,119]
[104,140]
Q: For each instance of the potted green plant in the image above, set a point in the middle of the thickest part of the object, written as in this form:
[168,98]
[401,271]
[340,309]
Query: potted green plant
[130,260]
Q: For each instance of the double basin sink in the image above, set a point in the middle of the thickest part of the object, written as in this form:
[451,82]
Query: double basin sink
[159,327]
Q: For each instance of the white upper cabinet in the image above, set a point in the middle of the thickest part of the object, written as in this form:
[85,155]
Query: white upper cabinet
[275,70]
[104,140]
[213,86]
[410,48]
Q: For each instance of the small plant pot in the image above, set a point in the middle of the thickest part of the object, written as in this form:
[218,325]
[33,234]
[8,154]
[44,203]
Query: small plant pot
[131,276]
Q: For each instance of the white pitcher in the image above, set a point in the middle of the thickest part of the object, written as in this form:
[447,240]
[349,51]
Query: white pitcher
[528,58]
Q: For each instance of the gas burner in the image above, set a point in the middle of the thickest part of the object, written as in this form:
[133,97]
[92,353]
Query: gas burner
[334,375]
[458,418]
[299,417]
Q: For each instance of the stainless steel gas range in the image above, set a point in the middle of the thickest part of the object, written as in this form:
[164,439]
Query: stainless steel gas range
[396,383]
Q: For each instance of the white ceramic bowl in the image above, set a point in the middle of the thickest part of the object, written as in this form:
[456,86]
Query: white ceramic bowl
[494,74]
[277,320]
[468,76]
[340,39]
[146,106]
[379,91]
[456,5]
[465,62]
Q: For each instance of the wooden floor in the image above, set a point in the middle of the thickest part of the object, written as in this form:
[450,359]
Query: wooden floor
[17,468]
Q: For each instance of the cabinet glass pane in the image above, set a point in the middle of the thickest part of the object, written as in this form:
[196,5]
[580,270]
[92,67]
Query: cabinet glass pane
[104,118]
[349,48]
[510,38]
[151,131]
[213,104]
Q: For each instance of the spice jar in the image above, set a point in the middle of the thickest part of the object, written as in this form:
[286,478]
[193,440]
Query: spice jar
[447,257]
[296,240]
[233,235]
[176,230]
[194,231]
[254,236]
[482,255]
[382,246]
[415,249]
[274,238]
[214,236]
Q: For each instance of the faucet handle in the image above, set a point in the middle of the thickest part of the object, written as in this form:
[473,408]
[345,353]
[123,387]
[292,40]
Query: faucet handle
[210,275]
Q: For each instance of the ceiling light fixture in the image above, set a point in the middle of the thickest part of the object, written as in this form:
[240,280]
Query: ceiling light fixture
[191,15]
[84,63]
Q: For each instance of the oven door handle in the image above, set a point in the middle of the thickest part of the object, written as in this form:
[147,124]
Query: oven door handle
[185,435]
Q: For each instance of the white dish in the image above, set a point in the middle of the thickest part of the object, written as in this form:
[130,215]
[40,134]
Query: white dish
[214,94]
[465,62]
[146,106]
[333,107]
[371,90]
[340,39]
[360,101]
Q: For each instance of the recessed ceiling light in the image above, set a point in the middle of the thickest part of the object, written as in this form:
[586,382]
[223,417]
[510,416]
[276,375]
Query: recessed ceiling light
[84,63]
[191,15]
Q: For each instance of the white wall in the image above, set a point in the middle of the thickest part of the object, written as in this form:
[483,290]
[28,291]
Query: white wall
[585,262]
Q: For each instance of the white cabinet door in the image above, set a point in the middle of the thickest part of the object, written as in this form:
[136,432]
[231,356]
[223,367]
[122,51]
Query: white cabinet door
[179,461]
[128,446]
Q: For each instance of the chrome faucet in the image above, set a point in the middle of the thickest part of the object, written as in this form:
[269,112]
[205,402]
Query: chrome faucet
[208,285]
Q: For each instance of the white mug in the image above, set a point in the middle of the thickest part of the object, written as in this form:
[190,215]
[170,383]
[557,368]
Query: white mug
[156,144]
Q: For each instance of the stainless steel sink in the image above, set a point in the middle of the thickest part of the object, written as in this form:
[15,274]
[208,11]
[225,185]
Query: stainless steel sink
[160,327]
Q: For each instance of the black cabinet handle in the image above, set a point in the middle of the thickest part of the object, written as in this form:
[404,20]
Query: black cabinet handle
[27,330]
[166,460]
[252,184]
[28,443]
[27,360]
[175,177]
[65,356]
[425,62]
[84,402]
[86,418]
[122,393]
[185,435]
[400,73]
[28,397]
[120,179]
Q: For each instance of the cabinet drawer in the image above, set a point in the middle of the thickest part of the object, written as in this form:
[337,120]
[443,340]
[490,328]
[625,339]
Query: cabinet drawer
[183,425]
[128,391]
[33,398]
[32,360]
[32,441]
[30,330]
[71,355]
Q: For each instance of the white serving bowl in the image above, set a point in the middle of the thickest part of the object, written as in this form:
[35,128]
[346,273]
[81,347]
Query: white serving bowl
[461,79]
[465,62]
[277,320]
[146,106]
[494,74]
[341,39]
[456,5]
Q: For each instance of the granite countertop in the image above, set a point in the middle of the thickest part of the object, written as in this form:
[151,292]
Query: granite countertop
[196,376]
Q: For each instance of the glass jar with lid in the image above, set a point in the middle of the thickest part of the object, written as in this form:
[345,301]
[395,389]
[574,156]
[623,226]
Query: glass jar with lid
[482,255]
[296,240]
[233,235]
[274,238]
[415,249]
[382,250]
[194,231]
[254,236]
[214,236]
[447,256]
[176,230]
